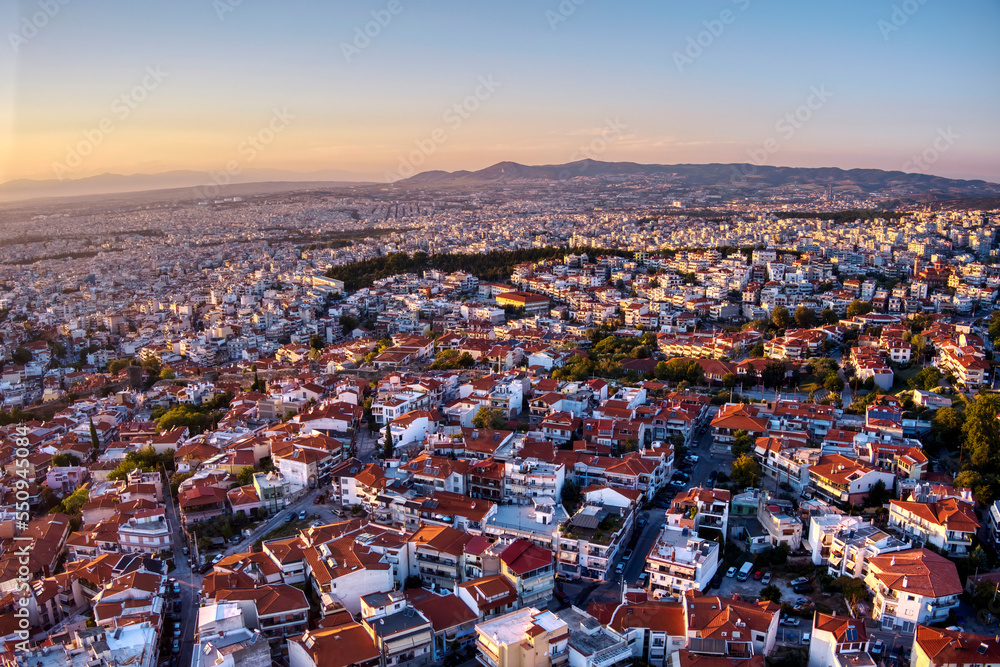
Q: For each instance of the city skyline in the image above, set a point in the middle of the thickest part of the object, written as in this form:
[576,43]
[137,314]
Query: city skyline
[382,90]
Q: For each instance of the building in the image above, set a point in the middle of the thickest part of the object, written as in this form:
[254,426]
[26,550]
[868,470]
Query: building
[680,561]
[838,641]
[402,635]
[523,638]
[949,524]
[936,647]
[529,568]
[912,587]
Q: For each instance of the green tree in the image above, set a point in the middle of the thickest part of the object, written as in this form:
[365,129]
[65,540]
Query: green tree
[490,418]
[465,360]
[878,495]
[771,592]
[780,317]
[858,307]
[829,316]
[982,432]
[570,495]
[805,317]
[348,323]
[729,380]
[745,472]
[742,443]
[773,374]
[64,460]
[245,475]
[168,374]
[389,449]
[116,365]
[853,589]
[946,426]
[259,386]
[95,442]
[833,383]
[21,355]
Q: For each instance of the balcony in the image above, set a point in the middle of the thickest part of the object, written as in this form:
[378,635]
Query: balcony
[611,655]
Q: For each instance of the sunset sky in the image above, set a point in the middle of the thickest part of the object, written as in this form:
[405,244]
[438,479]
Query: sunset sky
[136,86]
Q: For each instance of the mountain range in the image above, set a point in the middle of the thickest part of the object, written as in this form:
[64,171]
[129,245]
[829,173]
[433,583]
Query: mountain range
[889,184]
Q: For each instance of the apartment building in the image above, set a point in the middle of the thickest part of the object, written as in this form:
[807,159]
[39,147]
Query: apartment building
[680,561]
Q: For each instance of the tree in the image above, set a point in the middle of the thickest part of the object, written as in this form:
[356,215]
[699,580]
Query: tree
[780,317]
[858,307]
[465,360]
[490,418]
[742,443]
[65,459]
[757,351]
[878,495]
[982,432]
[829,316]
[245,475]
[388,451]
[773,374]
[946,426]
[745,472]
[316,342]
[570,495]
[729,380]
[21,355]
[833,383]
[95,442]
[771,592]
[348,323]
[927,378]
[805,317]
[167,374]
[853,589]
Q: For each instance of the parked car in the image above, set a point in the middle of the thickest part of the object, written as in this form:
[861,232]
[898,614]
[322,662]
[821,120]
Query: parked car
[177,628]
[627,554]
[177,606]
[175,646]
[619,568]
[302,515]
[562,597]
[798,581]
[731,572]
[643,579]
[679,483]
[642,522]
[766,579]
[790,621]
[691,458]
[877,649]
[290,518]
[185,551]
[177,587]
[758,575]
[804,588]
[805,638]
[716,581]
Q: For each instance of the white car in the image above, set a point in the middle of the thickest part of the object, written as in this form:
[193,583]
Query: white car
[731,572]
[693,458]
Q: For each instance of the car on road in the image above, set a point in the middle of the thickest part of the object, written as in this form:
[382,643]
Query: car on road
[177,587]
[766,579]
[175,646]
[798,581]
[805,638]
[758,575]
[643,579]
[877,649]
[290,518]
[642,522]
[185,551]
[691,458]
[790,621]
[177,628]
[619,568]
[731,572]
[177,606]
[317,500]
[678,483]
[302,515]
[562,597]
[627,554]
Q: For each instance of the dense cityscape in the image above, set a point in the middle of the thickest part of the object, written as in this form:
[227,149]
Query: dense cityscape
[384,425]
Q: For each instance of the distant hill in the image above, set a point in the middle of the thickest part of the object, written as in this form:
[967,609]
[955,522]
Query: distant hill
[117,183]
[715,174]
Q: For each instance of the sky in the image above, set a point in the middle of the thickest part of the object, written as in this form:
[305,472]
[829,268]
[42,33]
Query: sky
[387,88]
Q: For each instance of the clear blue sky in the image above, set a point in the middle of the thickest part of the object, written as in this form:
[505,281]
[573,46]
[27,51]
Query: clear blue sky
[894,87]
